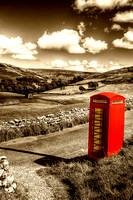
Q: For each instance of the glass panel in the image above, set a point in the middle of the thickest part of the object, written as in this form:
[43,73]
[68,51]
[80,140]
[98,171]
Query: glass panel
[97,130]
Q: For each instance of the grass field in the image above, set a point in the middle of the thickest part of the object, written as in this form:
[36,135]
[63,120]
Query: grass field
[43,104]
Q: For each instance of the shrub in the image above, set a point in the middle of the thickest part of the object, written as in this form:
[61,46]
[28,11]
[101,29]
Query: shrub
[44,128]
[3,134]
[66,124]
[80,120]
[27,131]
[54,128]
[36,130]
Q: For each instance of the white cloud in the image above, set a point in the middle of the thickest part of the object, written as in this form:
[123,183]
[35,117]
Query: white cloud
[81,28]
[15,46]
[126,41]
[71,41]
[126,16]
[93,63]
[71,65]
[59,64]
[94,46]
[94,66]
[64,39]
[84,62]
[30,45]
[102,4]
[116,27]
[23,57]
[123,44]
[74,62]
[76,65]
[129,35]
[106,30]
[84,65]
[102,69]
[114,65]
[1,51]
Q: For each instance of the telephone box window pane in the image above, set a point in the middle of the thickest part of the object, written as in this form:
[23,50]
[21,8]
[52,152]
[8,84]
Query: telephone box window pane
[97,130]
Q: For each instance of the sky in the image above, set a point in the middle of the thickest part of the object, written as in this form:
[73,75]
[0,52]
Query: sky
[82,35]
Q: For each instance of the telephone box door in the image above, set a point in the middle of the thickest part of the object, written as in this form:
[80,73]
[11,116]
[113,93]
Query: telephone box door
[98,137]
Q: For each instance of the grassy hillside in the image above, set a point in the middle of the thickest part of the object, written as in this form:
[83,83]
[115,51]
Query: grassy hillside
[124,75]
[10,71]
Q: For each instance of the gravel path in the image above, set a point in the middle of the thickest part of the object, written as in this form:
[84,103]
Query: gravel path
[37,187]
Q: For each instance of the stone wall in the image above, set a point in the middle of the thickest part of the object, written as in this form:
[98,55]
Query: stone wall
[52,122]
[50,119]
[6,178]
[129,103]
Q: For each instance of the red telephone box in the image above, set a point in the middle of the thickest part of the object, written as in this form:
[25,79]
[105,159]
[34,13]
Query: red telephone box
[106,124]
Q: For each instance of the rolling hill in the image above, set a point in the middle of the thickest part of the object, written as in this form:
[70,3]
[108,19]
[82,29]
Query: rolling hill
[12,72]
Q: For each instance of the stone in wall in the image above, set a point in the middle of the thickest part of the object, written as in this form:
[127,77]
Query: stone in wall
[6,178]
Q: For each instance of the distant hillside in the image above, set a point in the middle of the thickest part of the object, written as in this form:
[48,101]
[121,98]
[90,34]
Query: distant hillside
[25,81]
[11,72]
[124,75]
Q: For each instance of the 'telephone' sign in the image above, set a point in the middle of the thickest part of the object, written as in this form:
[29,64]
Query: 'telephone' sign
[99,101]
[117,101]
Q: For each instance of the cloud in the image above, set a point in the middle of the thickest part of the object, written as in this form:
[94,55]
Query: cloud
[116,27]
[59,64]
[84,65]
[129,35]
[114,66]
[93,63]
[30,45]
[94,66]
[76,65]
[23,57]
[88,43]
[81,5]
[71,65]
[64,39]
[74,62]
[126,41]
[84,62]
[15,46]
[106,30]
[71,41]
[94,46]
[81,28]
[126,16]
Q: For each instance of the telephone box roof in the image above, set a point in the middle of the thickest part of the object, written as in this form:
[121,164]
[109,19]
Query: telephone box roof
[109,95]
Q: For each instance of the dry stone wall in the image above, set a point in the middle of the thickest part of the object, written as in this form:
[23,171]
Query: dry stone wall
[43,124]
[49,120]
[129,103]
[6,178]
[47,124]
